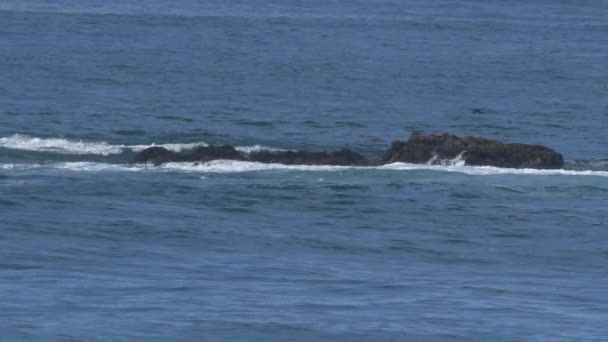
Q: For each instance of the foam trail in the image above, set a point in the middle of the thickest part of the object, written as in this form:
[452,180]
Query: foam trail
[65,146]
[257,148]
[58,145]
[96,167]
[230,166]
[73,166]
[233,166]
[172,147]
[492,170]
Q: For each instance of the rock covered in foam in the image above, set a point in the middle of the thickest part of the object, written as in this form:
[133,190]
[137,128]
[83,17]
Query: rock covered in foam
[474,150]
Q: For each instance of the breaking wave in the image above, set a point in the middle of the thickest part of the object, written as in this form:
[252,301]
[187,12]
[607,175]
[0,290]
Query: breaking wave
[456,161]
[233,166]
[65,146]
[58,145]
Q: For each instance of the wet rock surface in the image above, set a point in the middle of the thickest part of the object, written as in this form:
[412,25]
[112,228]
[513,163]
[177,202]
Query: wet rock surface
[418,149]
[473,150]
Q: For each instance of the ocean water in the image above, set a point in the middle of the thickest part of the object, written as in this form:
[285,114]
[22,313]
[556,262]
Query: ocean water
[93,248]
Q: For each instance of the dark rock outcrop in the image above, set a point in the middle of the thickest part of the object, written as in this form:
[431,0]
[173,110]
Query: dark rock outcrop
[209,153]
[156,155]
[159,155]
[341,157]
[473,150]
[419,149]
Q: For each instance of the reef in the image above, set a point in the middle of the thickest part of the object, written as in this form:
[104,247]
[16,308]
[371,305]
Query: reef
[418,149]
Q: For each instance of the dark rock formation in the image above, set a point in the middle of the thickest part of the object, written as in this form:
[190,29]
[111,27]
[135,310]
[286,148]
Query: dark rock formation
[209,153]
[475,151]
[156,155]
[159,155]
[419,149]
[341,157]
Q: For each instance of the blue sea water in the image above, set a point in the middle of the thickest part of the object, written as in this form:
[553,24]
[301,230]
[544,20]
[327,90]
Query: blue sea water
[93,248]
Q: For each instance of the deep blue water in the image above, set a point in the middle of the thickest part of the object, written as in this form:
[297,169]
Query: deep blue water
[92,248]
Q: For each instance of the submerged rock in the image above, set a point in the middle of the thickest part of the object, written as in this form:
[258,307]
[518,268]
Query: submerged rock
[419,149]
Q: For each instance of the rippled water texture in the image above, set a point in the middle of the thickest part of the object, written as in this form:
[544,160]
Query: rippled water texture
[95,248]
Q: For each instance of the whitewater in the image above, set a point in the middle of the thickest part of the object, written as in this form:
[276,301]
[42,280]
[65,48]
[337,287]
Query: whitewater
[80,147]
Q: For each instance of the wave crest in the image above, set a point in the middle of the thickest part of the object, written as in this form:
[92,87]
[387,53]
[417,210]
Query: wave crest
[65,146]
[58,145]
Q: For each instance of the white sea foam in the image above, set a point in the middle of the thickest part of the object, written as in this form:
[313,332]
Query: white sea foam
[65,146]
[92,166]
[74,166]
[59,145]
[492,170]
[233,166]
[456,161]
[257,148]
[172,147]
[230,166]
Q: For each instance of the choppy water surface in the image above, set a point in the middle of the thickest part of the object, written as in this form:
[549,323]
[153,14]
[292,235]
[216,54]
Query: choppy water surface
[95,248]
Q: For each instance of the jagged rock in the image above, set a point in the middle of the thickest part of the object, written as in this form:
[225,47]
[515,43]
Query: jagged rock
[474,150]
[419,149]
[156,155]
